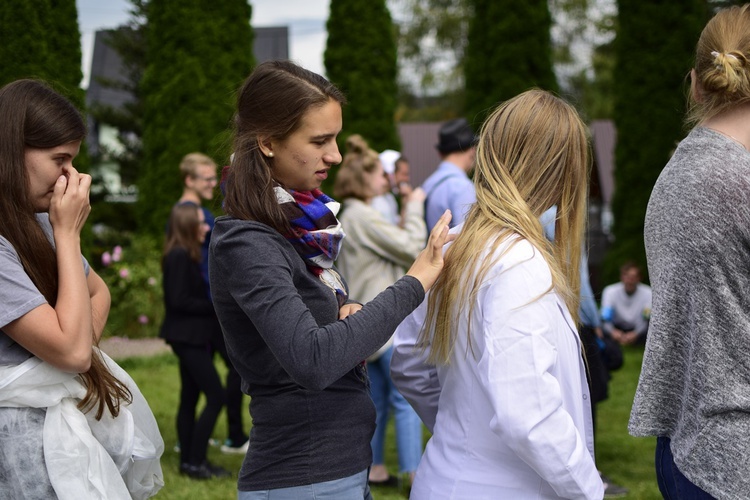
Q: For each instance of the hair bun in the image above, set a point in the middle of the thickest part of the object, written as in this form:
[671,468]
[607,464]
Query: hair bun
[729,72]
[355,143]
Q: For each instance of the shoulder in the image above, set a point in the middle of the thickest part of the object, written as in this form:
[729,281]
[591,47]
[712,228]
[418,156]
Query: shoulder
[357,211]
[228,229]
[176,255]
[516,258]
[238,243]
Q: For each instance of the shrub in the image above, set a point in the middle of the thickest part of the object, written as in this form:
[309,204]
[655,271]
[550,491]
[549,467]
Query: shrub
[132,271]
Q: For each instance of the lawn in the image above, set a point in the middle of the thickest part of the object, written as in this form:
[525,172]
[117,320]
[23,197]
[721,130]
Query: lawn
[627,460]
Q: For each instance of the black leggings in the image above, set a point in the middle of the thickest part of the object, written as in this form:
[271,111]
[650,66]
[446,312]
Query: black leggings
[197,374]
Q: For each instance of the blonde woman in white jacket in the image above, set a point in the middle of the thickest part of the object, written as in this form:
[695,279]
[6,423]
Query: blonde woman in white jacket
[375,255]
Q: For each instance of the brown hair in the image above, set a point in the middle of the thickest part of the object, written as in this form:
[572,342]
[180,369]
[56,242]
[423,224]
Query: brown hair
[722,64]
[182,231]
[350,179]
[271,103]
[35,116]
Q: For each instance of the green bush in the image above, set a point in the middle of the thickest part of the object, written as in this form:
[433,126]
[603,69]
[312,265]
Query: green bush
[132,271]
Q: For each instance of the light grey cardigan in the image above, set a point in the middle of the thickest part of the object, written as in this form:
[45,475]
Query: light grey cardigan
[695,381]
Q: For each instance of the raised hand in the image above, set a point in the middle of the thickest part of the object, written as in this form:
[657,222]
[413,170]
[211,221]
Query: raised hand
[429,262]
[70,207]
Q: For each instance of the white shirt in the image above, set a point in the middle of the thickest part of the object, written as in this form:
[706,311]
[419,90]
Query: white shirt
[627,310]
[513,419]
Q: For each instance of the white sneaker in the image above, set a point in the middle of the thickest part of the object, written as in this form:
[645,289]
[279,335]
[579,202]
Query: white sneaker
[237,450]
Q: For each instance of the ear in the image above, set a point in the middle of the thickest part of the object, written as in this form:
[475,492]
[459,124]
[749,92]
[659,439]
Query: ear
[695,87]
[266,146]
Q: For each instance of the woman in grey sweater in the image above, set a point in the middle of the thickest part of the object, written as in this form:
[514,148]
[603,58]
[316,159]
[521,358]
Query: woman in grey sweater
[291,332]
[694,390]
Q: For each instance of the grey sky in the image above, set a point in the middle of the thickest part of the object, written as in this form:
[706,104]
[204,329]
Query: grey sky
[305,19]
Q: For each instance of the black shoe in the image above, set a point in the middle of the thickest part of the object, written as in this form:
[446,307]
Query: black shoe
[217,470]
[206,470]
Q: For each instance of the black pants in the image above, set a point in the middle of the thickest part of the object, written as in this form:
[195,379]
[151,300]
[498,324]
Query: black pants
[233,394]
[197,374]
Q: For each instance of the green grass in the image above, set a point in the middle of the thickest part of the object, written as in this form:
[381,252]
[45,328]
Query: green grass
[627,460]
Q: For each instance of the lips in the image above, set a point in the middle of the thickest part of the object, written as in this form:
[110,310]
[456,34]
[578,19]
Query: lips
[322,174]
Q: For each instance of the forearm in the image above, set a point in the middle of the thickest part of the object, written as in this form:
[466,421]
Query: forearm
[100,302]
[73,306]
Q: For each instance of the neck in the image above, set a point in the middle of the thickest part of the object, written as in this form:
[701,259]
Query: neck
[458,160]
[733,123]
[189,195]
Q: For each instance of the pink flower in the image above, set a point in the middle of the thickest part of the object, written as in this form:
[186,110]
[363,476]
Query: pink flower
[117,253]
[124,273]
[151,281]
[143,319]
[106,258]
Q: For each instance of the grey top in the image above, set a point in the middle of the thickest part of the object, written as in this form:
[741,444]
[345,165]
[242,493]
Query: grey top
[18,294]
[313,417]
[695,382]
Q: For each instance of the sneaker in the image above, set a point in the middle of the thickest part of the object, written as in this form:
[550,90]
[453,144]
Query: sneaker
[612,490]
[231,447]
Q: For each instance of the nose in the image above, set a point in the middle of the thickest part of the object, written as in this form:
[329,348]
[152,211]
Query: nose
[333,156]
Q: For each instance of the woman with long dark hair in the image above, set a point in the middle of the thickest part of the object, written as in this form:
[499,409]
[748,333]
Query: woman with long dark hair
[60,396]
[295,338]
[189,325]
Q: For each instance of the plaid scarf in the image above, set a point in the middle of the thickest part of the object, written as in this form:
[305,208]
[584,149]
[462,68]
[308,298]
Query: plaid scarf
[316,233]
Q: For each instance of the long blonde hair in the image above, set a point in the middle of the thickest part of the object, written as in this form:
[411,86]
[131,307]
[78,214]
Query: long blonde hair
[533,153]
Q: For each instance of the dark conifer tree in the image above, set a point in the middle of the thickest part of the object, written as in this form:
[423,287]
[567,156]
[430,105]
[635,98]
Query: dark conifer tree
[654,49]
[509,51]
[198,53]
[361,59]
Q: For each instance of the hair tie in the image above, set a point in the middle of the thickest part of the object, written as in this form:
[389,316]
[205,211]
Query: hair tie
[716,54]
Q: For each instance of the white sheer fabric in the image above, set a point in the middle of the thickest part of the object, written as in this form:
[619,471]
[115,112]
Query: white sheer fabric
[112,458]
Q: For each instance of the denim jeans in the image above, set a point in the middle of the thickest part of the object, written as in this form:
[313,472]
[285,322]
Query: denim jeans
[408,425]
[348,488]
[672,483]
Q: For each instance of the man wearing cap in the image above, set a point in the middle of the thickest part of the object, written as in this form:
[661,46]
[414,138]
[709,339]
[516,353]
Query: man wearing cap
[450,186]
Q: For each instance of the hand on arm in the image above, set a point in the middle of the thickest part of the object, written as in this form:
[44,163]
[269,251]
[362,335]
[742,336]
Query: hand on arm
[349,308]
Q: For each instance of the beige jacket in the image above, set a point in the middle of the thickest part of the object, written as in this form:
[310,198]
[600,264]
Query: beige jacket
[376,252]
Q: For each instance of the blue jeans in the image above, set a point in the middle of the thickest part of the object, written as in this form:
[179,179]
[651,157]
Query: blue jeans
[408,425]
[349,488]
[672,483]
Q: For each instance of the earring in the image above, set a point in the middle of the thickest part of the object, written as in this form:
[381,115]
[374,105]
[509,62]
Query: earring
[270,154]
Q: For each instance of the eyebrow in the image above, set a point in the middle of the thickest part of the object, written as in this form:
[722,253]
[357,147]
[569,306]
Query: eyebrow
[323,136]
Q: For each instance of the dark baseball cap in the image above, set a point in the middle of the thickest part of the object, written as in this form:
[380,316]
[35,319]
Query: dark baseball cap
[455,135]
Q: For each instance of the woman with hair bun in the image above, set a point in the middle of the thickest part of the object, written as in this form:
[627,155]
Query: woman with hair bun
[492,360]
[694,389]
[377,253]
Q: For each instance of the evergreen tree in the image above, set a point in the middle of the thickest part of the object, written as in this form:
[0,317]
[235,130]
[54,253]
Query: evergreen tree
[198,53]
[23,41]
[64,48]
[654,50]
[509,51]
[41,39]
[360,58]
